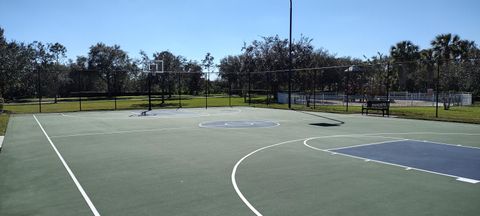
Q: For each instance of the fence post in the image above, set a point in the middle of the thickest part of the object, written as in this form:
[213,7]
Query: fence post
[179,91]
[206,89]
[39,82]
[268,88]
[249,89]
[115,89]
[229,93]
[314,89]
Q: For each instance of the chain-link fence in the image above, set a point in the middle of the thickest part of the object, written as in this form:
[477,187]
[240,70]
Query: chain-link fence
[406,84]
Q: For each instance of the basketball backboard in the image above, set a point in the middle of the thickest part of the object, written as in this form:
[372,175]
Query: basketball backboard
[154,66]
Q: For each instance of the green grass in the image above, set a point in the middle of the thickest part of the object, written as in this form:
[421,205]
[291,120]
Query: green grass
[329,108]
[468,114]
[3,123]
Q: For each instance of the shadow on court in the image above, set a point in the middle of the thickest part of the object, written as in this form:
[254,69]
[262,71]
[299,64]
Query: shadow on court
[325,124]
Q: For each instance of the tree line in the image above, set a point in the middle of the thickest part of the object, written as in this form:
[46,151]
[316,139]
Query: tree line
[406,67]
[37,68]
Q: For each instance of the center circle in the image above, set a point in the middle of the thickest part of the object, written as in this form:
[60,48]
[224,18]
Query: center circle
[239,124]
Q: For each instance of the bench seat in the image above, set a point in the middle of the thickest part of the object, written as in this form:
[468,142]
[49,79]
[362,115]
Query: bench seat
[381,105]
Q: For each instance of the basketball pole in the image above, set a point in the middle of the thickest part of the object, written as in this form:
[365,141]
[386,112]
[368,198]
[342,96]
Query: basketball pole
[149,91]
[115,88]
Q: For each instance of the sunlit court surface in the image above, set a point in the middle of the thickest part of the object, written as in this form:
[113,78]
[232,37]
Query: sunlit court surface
[237,161]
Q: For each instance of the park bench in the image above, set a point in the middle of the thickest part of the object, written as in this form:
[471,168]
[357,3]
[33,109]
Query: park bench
[382,105]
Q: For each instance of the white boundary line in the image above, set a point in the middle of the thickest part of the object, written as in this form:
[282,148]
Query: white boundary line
[366,144]
[429,141]
[256,212]
[79,187]
[234,172]
[440,143]
[120,132]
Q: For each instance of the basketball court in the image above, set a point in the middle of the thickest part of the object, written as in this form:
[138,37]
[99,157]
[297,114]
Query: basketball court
[237,161]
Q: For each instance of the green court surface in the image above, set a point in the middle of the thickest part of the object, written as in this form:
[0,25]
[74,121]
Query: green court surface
[118,163]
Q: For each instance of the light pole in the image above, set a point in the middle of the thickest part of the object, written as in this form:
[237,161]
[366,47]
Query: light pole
[437,86]
[290,62]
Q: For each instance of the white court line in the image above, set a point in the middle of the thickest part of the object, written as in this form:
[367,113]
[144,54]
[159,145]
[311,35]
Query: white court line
[472,181]
[429,141]
[459,178]
[366,144]
[80,188]
[256,212]
[234,171]
[440,143]
[121,132]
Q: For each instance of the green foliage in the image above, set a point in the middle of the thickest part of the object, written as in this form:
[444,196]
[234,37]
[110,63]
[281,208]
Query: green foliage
[405,53]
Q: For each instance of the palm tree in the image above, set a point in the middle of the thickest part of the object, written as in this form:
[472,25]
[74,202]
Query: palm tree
[427,66]
[466,50]
[446,47]
[405,53]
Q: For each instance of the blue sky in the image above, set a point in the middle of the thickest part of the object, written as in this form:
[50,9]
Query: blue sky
[194,27]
